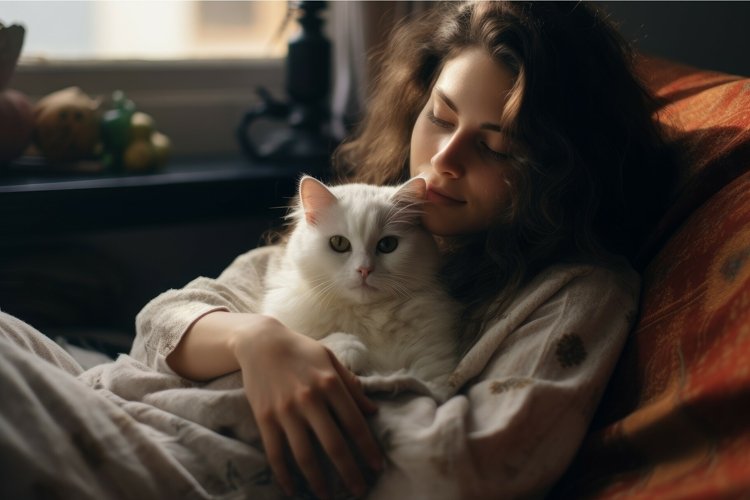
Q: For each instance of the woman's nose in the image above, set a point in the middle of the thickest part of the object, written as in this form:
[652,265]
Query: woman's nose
[450,156]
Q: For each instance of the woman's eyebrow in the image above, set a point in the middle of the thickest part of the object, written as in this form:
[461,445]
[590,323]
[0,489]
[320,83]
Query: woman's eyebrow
[448,102]
[446,99]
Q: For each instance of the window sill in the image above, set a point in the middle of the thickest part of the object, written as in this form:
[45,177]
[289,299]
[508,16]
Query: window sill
[188,191]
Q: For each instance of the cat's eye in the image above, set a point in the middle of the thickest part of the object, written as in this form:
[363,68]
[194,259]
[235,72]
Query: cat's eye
[339,244]
[387,244]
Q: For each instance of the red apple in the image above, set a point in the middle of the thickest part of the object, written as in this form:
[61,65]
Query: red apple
[16,124]
[16,115]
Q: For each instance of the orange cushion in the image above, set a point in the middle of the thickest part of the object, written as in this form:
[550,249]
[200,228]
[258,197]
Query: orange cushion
[674,422]
[708,115]
[675,419]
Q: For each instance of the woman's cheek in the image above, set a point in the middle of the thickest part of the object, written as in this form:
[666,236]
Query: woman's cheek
[420,145]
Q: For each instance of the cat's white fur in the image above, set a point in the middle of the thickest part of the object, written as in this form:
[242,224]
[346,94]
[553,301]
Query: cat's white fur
[378,312]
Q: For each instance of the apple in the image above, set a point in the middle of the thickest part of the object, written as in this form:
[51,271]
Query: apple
[16,124]
[141,127]
[162,148]
[139,156]
[16,111]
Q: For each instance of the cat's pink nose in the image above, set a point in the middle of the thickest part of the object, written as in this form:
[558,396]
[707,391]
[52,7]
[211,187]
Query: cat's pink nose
[364,271]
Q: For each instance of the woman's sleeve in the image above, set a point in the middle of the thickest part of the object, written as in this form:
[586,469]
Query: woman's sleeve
[161,324]
[536,377]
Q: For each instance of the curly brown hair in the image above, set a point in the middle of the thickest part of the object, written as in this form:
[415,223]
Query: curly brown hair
[589,171]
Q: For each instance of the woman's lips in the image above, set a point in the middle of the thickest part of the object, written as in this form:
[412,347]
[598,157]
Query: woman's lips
[436,196]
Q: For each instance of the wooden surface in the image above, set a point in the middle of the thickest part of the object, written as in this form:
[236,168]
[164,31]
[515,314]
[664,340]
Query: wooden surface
[45,203]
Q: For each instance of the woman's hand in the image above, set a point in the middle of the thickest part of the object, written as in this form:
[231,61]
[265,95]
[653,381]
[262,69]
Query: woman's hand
[299,393]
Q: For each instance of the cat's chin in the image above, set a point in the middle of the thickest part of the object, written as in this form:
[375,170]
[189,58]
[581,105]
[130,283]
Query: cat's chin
[364,293]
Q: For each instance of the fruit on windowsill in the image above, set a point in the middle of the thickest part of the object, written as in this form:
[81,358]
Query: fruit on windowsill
[115,124]
[139,156]
[148,148]
[16,116]
[145,154]
[66,125]
[162,147]
[130,139]
[16,124]
[141,126]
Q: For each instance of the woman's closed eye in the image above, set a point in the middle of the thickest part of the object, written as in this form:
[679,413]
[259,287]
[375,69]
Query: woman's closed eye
[486,149]
[495,155]
[437,121]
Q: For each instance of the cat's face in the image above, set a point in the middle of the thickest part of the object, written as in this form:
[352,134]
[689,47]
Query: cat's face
[362,243]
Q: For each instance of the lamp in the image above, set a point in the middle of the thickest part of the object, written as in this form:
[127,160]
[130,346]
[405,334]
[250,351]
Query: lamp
[303,137]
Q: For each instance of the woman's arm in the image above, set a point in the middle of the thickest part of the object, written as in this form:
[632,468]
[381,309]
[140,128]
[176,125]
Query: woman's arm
[165,320]
[298,392]
[294,386]
[208,349]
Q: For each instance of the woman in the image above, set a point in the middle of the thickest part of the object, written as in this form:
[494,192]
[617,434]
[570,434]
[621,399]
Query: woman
[543,164]
[539,148]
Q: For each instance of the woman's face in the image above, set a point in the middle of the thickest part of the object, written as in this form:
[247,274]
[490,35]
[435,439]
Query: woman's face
[457,144]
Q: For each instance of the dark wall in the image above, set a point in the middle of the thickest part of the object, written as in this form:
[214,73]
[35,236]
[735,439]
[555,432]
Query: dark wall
[98,281]
[710,35]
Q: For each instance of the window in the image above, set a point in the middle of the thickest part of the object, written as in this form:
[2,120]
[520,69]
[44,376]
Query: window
[193,65]
[149,29]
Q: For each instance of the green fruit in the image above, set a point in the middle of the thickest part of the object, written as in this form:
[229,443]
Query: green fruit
[115,124]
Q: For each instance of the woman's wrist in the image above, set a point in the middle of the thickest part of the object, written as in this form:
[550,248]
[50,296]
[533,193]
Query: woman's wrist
[217,343]
[246,335]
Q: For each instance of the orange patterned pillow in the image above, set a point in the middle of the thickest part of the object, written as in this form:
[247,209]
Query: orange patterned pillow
[708,115]
[675,420]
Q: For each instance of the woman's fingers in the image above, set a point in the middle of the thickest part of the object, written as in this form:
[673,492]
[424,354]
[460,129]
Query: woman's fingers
[273,442]
[338,450]
[352,420]
[353,385]
[312,397]
[330,413]
[299,439]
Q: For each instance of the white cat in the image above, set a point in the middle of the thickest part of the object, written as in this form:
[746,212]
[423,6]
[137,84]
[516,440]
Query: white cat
[360,273]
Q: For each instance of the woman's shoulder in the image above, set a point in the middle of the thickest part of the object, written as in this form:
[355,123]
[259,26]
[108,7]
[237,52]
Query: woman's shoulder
[609,271]
[614,277]
[598,299]
[260,255]
[254,262]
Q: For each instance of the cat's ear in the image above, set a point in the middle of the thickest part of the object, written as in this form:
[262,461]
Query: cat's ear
[408,200]
[315,197]
[413,190]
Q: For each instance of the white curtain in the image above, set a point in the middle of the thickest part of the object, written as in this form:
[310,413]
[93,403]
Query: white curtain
[357,28]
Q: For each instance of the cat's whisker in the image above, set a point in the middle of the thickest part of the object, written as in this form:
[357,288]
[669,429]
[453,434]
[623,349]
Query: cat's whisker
[321,286]
[408,276]
[405,212]
[321,289]
[411,284]
[327,298]
[398,288]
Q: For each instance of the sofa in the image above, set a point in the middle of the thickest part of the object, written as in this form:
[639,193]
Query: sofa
[675,419]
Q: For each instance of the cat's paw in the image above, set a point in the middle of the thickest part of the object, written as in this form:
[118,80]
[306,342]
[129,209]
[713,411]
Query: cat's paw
[349,350]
